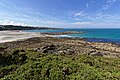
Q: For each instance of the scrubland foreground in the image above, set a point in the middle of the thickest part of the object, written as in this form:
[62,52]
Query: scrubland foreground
[59,59]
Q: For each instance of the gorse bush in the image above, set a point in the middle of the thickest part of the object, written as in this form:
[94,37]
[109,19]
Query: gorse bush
[14,58]
[30,65]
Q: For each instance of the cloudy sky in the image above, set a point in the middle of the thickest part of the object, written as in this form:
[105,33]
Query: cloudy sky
[61,13]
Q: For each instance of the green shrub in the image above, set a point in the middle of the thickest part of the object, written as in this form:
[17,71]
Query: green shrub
[40,66]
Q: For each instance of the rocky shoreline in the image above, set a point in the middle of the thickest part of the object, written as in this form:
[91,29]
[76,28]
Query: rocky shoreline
[70,46]
[63,33]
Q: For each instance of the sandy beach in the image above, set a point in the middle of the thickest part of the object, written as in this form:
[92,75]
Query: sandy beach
[16,35]
[34,40]
[8,36]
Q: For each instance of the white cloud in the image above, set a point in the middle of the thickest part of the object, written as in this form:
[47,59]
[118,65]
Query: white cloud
[26,15]
[30,16]
[9,22]
[53,22]
[82,23]
[105,7]
[95,25]
[5,3]
[108,4]
[81,13]
[100,16]
[67,24]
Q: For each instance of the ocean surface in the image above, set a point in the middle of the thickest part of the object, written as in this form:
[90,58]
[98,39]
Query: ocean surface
[92,35]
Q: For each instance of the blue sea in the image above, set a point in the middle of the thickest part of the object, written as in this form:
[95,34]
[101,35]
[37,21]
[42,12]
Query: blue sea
[92,35]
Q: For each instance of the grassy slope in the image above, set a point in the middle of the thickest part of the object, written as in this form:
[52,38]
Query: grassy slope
[30,65]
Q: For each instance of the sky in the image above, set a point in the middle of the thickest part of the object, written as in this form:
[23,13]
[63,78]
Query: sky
[61,13]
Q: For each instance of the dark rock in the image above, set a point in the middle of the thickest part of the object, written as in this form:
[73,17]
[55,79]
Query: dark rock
[97,54]
[22,50]
[49,49]
[47,73]
[74,46]
[3,48]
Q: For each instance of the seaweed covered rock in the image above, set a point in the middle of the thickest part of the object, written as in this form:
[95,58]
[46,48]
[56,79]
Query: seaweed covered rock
[56,49]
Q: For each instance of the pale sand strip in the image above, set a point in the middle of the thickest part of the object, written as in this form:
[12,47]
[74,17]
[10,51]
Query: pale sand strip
[8,36]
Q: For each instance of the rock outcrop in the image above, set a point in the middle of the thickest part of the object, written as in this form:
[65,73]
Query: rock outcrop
[71,46]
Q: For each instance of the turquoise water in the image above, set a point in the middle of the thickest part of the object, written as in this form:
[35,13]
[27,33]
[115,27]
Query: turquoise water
[93,35]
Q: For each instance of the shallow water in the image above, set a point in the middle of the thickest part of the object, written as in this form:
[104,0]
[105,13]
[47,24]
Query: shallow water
[93,35]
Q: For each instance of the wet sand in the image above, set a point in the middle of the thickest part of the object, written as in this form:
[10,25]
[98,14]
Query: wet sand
[8,36]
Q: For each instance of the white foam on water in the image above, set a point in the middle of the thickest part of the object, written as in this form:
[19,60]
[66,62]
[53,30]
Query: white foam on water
[62,36]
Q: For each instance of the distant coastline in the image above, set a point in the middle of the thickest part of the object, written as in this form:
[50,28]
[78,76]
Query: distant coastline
[16,27]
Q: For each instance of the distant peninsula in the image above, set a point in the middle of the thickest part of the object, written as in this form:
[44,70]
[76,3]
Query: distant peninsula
[16,27]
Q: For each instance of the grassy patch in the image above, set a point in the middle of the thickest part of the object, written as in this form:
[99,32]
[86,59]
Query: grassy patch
[30,65]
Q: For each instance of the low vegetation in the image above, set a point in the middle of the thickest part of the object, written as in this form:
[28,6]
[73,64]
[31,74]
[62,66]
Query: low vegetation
[31,65]
[15,27]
